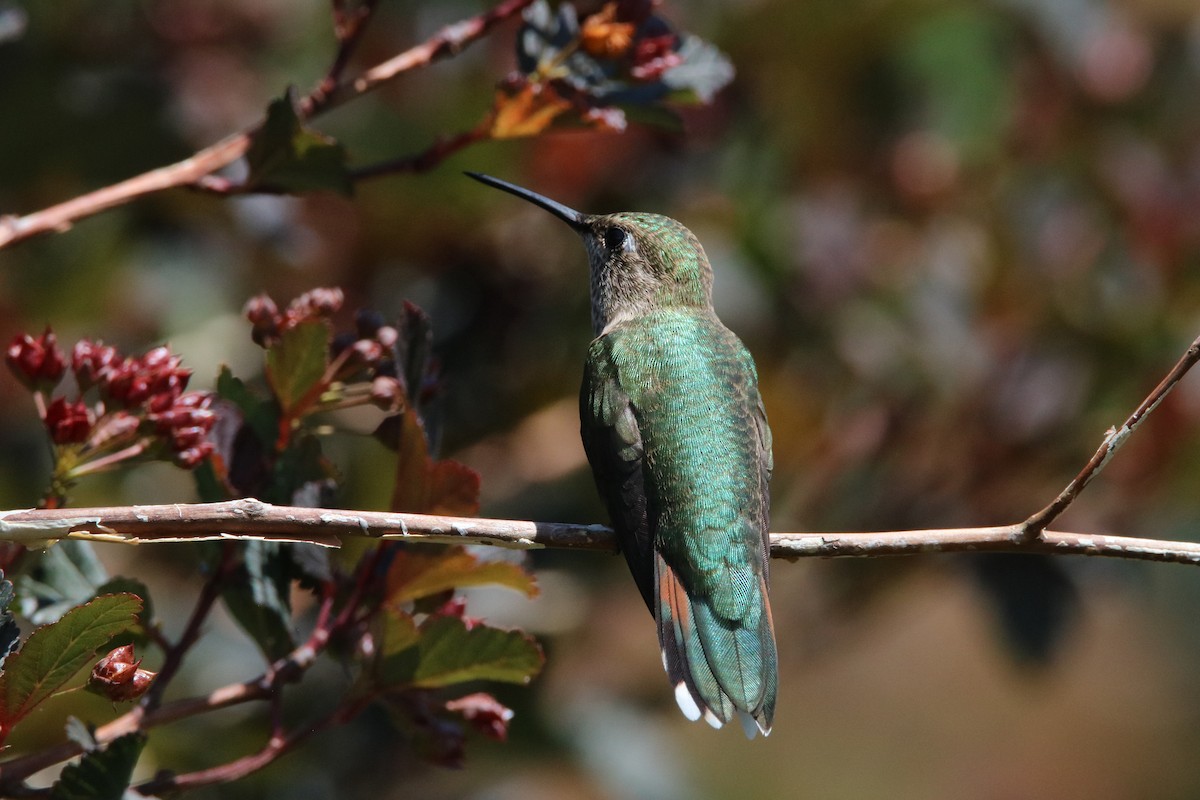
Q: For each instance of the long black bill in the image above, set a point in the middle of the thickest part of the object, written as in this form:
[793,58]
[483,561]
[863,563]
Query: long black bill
[568,215]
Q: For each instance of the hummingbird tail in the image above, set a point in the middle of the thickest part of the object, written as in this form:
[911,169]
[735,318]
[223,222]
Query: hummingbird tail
[688,660]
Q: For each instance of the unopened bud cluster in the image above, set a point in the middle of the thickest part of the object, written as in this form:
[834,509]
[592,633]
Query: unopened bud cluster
[366,355]
[119,676]
[269,323]
[122,406]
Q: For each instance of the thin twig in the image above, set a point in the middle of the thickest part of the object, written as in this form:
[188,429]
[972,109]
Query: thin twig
[197,169]
[348,26]
[277,745]
[448,41]
[427,159]
[191,631]
[1113,439]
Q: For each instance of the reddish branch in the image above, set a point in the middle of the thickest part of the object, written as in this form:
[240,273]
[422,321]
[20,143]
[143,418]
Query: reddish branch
[191,631]
[330,93]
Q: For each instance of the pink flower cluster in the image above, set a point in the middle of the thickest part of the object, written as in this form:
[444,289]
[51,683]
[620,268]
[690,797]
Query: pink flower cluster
[141,400]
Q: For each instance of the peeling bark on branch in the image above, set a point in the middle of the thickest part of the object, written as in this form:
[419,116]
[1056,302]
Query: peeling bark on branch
[252,519]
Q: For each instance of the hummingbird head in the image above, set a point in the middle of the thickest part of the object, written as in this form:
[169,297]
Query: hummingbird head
[638,262]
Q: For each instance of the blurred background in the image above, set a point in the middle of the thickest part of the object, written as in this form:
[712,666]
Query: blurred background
[960,238]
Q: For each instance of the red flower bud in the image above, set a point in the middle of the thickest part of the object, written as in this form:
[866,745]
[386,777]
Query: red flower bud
[387,336]
[315,304]
[264,318]
[37,363]
[91,361]
[68,423]
[118,676]
[366,351]
[387,393]
[193,456]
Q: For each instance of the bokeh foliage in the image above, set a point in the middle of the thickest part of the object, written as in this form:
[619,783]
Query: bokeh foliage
[959,238]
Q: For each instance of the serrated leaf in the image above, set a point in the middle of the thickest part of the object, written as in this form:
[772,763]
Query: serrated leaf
[453,489]
[396,636]
[10,632]
[413,351]
[296,363]
[63,576]
[55,652]
[123,585]
[101,774]
[285,156]
[412,464]
[258,597]
[426,486]
[448,652]
[420,573]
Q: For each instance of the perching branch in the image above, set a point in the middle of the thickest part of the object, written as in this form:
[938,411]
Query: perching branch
[252,519]
[330,93]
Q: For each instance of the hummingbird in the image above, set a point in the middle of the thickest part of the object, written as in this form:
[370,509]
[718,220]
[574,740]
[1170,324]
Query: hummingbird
[677,438]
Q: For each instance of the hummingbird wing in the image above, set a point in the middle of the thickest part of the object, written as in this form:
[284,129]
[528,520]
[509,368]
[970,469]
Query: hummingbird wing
[674,429]
[613,443]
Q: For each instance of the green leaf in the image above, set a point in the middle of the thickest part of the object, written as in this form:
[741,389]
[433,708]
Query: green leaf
[395,634]
[297,363]
[260,414]
[123,585]
[101,774]
[258,597]
[10,633]
[64,576]
[449,652]
[54,653]
[302,474]
[285,156]
[420,573]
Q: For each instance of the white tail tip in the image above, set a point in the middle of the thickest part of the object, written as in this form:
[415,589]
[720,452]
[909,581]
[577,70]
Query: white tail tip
[687,704]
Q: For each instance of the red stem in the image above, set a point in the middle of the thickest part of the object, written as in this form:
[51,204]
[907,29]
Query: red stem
[191,632]
[195,170]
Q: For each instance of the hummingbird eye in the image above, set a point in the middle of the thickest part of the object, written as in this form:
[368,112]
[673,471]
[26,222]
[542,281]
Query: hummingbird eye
[616,239]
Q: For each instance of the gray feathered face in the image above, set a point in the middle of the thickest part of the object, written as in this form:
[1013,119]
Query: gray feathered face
[640,262]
